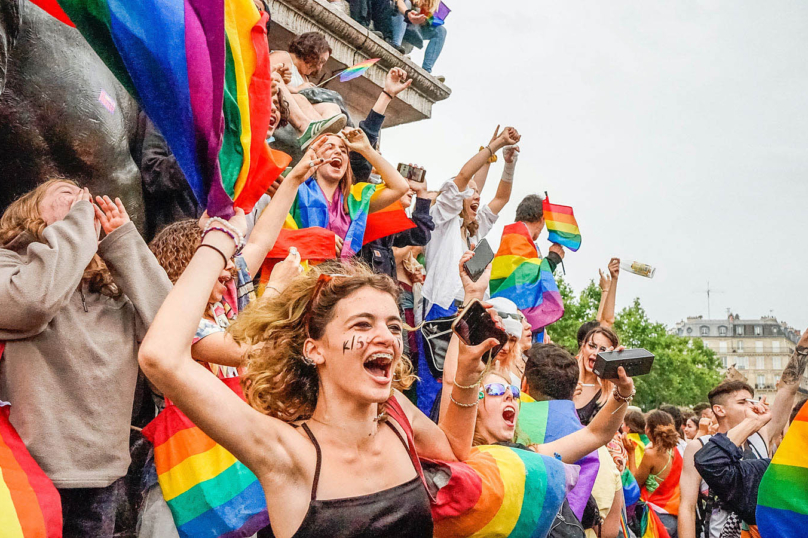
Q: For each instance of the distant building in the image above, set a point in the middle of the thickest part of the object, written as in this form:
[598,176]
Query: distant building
[758,348]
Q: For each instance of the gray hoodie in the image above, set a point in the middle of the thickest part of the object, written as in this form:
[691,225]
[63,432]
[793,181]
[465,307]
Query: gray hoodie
[70,364]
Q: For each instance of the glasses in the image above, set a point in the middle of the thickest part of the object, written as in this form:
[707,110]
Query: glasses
[498,389]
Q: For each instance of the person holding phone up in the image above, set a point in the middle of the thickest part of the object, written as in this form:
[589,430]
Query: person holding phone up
[460,222]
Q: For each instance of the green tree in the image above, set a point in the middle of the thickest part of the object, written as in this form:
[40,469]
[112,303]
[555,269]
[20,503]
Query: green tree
[684,370]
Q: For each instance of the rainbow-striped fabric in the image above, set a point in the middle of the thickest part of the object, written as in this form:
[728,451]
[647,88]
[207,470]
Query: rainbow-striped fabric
[782,510]
[438,18]
[200,70]
[356,71]
[547,421]
[498,492]
[520,275]
[562,225]
[29,503]
[209,492]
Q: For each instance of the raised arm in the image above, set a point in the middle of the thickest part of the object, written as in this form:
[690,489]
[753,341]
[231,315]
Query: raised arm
[511,155]
[357,141]
[506,138]
[482,174]
[689,485]
[599,432]
[606,310]
[789,384]
[165,357]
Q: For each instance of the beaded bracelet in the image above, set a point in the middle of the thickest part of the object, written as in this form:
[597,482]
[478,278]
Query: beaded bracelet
[619,397]
[462,404]
[472,386]
[227,225]
[234,234]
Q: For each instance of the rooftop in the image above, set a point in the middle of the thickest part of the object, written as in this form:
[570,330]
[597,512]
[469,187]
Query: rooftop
[353,43]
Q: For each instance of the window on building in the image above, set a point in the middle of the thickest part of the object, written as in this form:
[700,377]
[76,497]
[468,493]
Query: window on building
[777,363]
[722,331]
[741,363]
[775,346]
[689,330]
[681,332]
[722,346]
[724,361]
[739,345]
[759,363]
[759,346]
[705,330]
[739,330]
[761,381]
[758,330]
[776,379]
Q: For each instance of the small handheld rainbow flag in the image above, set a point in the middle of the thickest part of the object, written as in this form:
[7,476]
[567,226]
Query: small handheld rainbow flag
[438,17]
[562,225]
[520,275]
[209,492]
[782,510]
[357,70]
[200,70]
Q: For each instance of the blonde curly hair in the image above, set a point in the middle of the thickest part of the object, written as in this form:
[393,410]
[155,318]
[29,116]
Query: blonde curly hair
[279,381]
[23,216]
[174,246]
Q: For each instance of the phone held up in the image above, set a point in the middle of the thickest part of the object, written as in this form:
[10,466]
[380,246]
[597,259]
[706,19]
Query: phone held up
[634,361]
[412,173]
[483,255]
[474,325]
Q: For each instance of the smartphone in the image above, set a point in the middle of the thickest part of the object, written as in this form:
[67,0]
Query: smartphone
[474,326]
[483,255]
[413,173]
[635,361]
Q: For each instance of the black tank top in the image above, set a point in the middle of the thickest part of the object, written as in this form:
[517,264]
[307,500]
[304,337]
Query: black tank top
[401,511]
[588,412]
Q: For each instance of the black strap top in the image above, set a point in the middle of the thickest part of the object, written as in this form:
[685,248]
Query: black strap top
[588,412]
[401,511]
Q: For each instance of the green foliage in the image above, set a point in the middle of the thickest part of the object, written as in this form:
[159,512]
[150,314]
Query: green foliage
[684,370]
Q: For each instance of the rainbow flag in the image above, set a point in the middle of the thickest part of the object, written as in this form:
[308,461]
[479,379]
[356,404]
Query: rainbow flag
[356,71]
[200,70]
[30,506]
[562,225]
[544,422]
[498,492]
[782,510]
[209,492]
[438,18]
[521,276]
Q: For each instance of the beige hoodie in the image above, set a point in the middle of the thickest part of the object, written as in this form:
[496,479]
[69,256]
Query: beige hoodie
[70,364]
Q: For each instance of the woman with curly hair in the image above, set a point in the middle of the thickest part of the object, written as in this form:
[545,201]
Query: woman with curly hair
[73,312]
[331,440]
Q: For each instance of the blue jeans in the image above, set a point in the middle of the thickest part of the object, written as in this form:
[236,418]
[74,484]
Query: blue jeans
[428,387]
[436,35]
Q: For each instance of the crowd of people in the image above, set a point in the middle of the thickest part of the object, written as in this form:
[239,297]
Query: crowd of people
[343,396]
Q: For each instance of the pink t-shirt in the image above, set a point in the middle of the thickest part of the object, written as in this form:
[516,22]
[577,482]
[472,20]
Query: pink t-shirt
[338,220]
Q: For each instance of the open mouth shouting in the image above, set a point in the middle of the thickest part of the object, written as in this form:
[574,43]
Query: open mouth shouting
[335,162]
[475,206]
[509,415]
[380,367]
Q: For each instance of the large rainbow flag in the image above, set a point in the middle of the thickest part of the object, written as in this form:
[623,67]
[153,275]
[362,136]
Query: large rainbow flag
[520,275]
[562,225]
[544,422]
[782,510]
[30,506]
[200,70]
[209,492]
[498,492]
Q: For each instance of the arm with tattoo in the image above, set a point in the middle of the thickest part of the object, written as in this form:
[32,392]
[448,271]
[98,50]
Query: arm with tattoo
[789,384]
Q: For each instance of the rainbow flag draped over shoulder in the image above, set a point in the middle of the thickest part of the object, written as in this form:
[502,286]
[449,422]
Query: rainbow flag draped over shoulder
[30,506]
[562,225]
[174,57]
[520,275]
[544,422]
[782,510]
[498,492]
[209,492]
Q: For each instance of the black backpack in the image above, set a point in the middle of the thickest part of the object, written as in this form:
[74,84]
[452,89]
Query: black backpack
[566,524]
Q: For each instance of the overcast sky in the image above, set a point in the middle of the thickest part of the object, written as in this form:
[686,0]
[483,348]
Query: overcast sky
[676,130]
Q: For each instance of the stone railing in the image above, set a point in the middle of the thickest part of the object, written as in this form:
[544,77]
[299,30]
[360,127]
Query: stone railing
[353,43]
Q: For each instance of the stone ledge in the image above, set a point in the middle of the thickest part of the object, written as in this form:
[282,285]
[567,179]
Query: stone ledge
[353,43]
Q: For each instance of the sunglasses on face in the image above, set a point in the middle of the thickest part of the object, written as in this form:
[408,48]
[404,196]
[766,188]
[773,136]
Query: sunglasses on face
[498,389]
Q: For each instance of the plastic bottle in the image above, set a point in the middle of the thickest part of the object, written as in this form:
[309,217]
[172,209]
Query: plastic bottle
[642,269]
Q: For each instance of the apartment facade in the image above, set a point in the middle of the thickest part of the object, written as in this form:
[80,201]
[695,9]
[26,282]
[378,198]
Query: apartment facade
[758,348]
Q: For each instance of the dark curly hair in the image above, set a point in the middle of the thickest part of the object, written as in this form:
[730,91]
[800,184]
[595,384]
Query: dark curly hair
[309,47]
[661,430]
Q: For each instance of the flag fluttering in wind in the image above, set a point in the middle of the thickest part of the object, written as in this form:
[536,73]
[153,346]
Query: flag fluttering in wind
[782,510]
[562,225]
[520,275]
[357,70]
[438,17]
[200,70]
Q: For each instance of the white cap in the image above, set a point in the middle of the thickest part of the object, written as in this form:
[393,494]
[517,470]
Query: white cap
[511,318]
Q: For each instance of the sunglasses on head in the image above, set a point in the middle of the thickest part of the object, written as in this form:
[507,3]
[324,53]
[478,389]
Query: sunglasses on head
[498,389]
